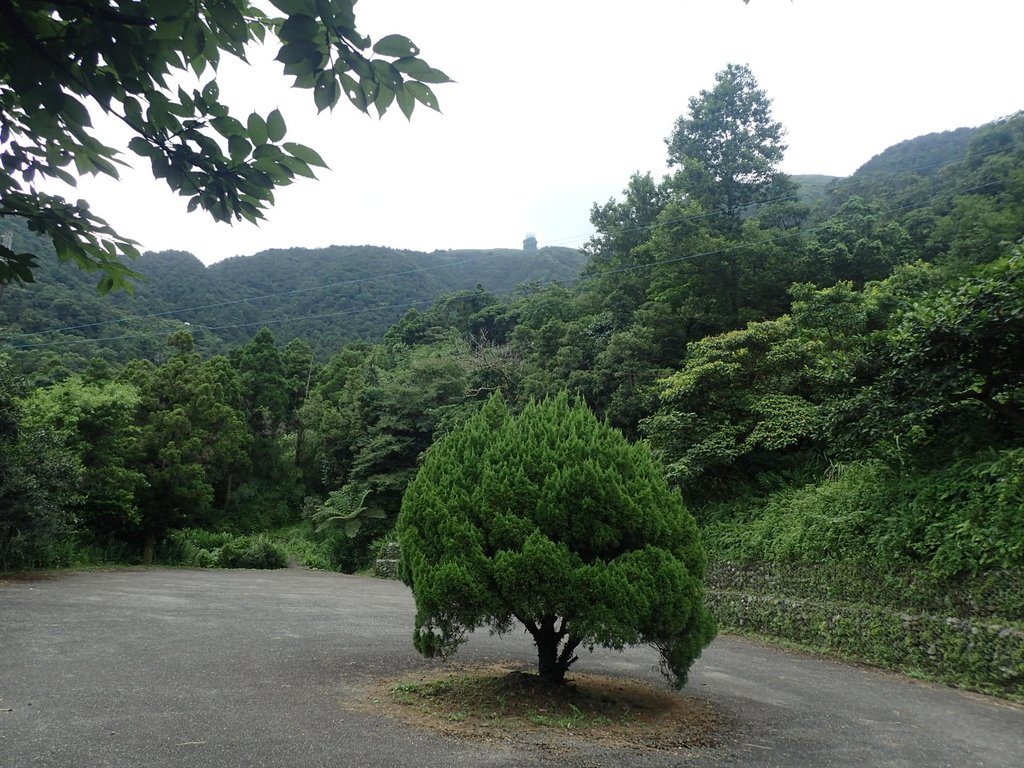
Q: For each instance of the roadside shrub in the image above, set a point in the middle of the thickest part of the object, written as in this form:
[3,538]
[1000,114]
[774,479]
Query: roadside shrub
[252,552]
[828,520]
[962,519]
[965,518]
[260,505]
[193,547]
[301,545]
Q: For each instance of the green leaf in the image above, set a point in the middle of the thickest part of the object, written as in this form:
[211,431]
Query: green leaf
[74,111]
[64,176]
[211,92]
[105,166]
[355,93]
[16,266]
[386,74]
[133,111]
[275,126]
[293,7]
[161,167]
[297,52]
[267,150]
[371,90]
[227,127]
[406,102]
[398,46]
[277,173]
[23,273]
[249,211]
[230,20]
[300,27]
[192,45]
[326,92]
[420,70]
[257,127]
[384,98]
[422,94]
[297,167]
[141,147]
[238,148]
[162,10]
[308,66]
[354,63]
[305,154]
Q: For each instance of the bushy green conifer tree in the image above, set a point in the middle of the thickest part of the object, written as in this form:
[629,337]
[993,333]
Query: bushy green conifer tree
[554,519]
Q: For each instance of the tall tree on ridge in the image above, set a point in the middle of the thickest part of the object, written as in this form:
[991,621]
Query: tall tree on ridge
[728,148]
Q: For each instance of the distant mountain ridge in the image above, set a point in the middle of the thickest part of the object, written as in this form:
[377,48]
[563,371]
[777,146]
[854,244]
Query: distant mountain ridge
[925,155]
[332,295]
[341,293]
[327,296]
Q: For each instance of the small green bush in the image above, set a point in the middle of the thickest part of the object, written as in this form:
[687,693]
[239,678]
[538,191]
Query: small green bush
[261,505]
[197,548]
[193,547]
[252,552]
[303,545]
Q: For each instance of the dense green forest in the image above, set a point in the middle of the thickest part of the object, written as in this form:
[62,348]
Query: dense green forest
[831,371]
[326,297]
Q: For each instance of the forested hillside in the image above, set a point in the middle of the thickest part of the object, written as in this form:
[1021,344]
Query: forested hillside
[326,297]
[836,388]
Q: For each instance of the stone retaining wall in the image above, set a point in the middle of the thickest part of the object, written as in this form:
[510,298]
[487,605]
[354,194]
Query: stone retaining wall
[976,651]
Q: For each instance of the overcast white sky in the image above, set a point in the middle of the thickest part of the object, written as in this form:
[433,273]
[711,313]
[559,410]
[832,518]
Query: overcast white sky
[558,102]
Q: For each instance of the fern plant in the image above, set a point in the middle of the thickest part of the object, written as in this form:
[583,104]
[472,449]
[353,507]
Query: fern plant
[346,508]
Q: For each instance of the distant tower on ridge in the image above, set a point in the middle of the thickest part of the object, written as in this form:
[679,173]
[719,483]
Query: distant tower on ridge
[530,243]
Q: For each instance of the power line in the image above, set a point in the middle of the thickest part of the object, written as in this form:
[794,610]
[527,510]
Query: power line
[400,273]
[428,302]
[874,176]
[739,246]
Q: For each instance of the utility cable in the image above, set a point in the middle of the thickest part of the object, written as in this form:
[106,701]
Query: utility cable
[431,268]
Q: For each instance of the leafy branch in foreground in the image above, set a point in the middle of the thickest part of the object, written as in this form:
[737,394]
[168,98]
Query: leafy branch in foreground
[59,58]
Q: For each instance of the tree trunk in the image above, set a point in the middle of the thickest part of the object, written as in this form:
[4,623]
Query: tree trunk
[552,662]
[149,548]
[548,668]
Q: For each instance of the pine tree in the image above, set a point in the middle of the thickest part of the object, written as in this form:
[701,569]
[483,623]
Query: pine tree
[553,519]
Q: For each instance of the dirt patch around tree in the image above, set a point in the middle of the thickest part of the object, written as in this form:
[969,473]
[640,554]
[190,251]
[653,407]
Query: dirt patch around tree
[502,703]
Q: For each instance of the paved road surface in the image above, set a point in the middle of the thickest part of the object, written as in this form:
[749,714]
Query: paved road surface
[242,669]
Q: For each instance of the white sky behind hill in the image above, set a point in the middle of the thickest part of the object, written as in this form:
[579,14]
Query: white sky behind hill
[558,102]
